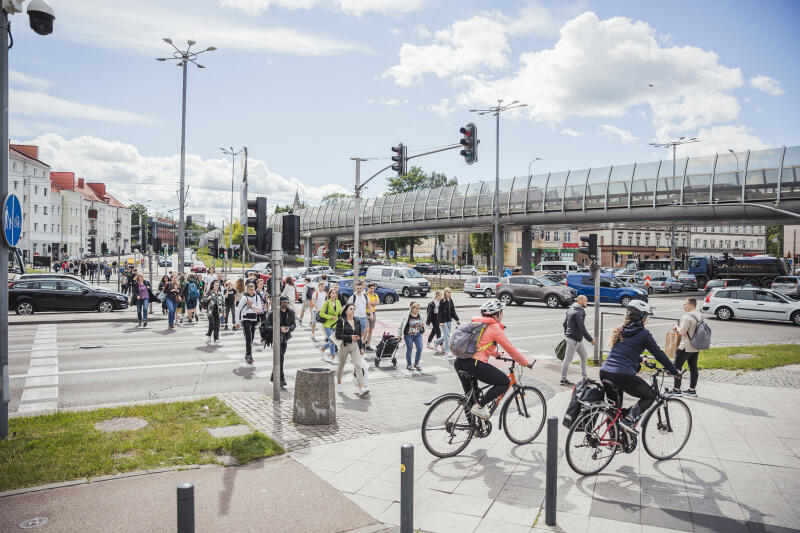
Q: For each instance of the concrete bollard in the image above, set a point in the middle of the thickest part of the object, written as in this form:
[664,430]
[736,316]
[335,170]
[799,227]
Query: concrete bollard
[186,508]
[551,479]
[407,488]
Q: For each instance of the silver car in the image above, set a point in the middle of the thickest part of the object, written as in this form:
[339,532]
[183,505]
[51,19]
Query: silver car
[404,280]
[666,284]
[752,303]
[483,285]
[788,285]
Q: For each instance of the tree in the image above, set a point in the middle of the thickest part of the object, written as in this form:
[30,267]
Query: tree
[334,197]
[481,244]
[775,249]
[287,208]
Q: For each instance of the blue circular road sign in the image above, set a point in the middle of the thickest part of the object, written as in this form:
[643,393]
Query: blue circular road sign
[12,219]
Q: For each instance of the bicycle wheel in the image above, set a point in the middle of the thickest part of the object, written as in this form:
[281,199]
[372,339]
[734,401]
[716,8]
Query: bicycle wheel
[666,428]
[523,415]
[591,442]
[446,428]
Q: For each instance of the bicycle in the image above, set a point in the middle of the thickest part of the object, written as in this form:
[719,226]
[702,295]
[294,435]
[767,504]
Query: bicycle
[450,424]
[600,437]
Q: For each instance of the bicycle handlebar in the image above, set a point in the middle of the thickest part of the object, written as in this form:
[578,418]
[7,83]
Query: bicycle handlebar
[659,370]
[508,359]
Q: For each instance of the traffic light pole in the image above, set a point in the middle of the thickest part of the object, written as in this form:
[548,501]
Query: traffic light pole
[595,269]
[277,273]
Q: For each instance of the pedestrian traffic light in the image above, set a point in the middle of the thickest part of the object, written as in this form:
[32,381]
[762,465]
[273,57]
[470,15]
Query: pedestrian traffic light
[92,246]
[291,234]
[189,221]
[469,141]
[213,247]
[104,248]
[400,160]
[591,246]
[258,223]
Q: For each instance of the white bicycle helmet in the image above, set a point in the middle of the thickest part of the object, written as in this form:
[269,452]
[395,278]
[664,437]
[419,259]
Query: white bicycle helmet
[640,308]
[492,307]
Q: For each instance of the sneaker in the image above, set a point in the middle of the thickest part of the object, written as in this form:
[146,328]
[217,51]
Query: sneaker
[369,348]
[676,392]
[144,324]
[249,359]
[409,367]
[430,347]
[690,392]
[418,368]
[313,337]
[363,392]
[339,388]
[481,412]
[139,324]
[567,383]
[226,327]
[283,383]
[628,425]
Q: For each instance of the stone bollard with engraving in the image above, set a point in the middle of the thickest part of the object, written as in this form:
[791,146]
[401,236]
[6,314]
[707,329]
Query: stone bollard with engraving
[314,397]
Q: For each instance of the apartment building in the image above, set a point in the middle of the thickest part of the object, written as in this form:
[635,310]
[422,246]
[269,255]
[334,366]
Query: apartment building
[736,239]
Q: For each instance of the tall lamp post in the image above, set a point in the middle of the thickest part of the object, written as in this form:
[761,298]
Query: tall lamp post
[498,241]
[183,57]
[532,162]
[230,152]
[674,144]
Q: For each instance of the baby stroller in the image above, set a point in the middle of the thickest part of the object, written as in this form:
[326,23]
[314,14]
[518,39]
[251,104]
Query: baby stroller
[386,349]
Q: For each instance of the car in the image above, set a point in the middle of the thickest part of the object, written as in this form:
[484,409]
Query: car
[725,283]
[610,289]
[198,267]
[188,262]
[317,270]
[28,296]
[548,266]
[751,303]
[406,281]
[467,269]
[424,268]
[164,262]
[332,278]
[481,285]
[688,281]
[263,267]
[362,271]
[632,281]
[788,286]
[557,276]
[385,294]
[666,284]
[444,269]
[68,277]
[521,289]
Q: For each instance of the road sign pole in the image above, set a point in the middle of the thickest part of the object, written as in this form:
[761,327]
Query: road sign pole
[4,248]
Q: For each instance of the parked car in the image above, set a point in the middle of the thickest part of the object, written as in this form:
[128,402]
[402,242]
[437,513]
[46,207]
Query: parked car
[443,269]
[386,295]
[787,285]
[610,289]
[362,271]
[666,284]
[726,283]
[332,278]
[632,281]
[547,266]
[424,268]
[406,281]
[483,285]
[27,296]
[521,289]
[688,282]
[752,303]
[264,268]
[198,267]
[467,269]
[557,276]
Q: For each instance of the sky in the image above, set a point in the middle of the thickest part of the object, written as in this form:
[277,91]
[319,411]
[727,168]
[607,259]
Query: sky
[306,85]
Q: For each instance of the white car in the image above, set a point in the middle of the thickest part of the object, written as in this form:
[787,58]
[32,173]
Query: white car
[751,303]
[468,269]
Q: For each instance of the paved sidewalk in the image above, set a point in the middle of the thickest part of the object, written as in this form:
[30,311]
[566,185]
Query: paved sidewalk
[740,472]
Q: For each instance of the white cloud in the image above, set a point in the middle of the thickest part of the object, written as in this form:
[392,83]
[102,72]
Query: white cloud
[393,101]
[141,29]
[603,68]
[533,18]
[395,32]
[351,7]
[767,84]
[422,32]
[20,78]
[442,109]
[476,44]
[37,103]
[360,7]
[572,133]
[131,176]
[720,139]
[623,136]
[256,7]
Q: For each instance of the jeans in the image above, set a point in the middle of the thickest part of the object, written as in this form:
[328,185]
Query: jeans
[329,344]
[213,324]
[681,357]
[486,373]
[363,321]
[636,387]
[435,331]
[229,309]
[170,310]
[249,329]
[411,342]
[283,353]
[141,309]
[572,346]
[445,340]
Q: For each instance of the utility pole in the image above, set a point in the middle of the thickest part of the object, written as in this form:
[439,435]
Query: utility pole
[4,248]
[357,222]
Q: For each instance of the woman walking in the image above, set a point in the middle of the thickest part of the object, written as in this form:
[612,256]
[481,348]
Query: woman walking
[230,304]
[432,319]
[214,301]
[318,298]
[348,333]
[308,301]
[172,290]
[411,330]
[180,307]
[331,311]
[191,295]
[161,285]
[447,313]
[261,291]
[142,294]
[289,291]
[247,315]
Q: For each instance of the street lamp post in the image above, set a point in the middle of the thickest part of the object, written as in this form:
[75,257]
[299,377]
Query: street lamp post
[498,241]
[230,152]
[184,57]
[532,162]
[674,144]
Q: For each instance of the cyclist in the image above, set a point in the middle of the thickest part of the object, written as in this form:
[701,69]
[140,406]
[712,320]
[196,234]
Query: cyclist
[493,335]
[628,342]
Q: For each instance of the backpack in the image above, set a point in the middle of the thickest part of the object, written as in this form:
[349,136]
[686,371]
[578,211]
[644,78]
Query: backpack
[194,293]
[466,338]
[702,335]
[310,292]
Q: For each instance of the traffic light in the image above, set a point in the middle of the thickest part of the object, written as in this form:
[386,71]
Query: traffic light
[470,143]
[591,246]
[258,223]
[188,221]
[400,160]
[104,248]
[92,246]
[291,234]
[213,247]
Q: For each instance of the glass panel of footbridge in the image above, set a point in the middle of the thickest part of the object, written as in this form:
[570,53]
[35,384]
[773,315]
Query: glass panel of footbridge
[643,186]
[619,184]
[573,191]
[536,192]
[728,177]
[596,188]
[519,194]
[761,182]
[670,181]
[555,191]
[790,177]
[443,205]
[487,197]
[697,186]
[457,202]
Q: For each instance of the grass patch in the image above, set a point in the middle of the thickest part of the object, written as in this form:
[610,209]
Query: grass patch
[66,446]
[765,356]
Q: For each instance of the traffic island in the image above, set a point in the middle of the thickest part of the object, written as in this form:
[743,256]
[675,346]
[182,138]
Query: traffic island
[89,444]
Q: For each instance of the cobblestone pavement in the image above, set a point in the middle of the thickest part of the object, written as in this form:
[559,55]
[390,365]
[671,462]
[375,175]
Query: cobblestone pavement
[783,377]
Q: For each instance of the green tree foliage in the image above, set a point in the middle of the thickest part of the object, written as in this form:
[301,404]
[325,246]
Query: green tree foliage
[481,244]
[238,231]
[286,208]
[334,197]
[775,249]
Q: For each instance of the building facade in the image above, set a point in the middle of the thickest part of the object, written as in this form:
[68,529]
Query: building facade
[735,239]
[29,179]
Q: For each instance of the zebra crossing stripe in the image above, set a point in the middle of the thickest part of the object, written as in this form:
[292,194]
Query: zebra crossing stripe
[41,384]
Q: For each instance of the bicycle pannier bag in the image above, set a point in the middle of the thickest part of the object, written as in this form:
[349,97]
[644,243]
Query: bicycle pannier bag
[586,391]
[702,336]
[465,339]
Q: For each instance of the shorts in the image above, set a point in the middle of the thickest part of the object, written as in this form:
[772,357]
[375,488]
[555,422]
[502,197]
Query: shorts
[191,303]
[372,320]
[363,321]
[307,304]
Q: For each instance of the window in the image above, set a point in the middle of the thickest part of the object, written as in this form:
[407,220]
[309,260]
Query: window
[35,187]
[44,191]
[744,295]
[35,228]
[567,236]
[712,229]
[658,239]
[729,229]
[705,243]
[763,296]
[547,236]
[44,209]
[46,285]
[713,242]
[70,286]
[16,183]
[34,248]
[638,240]
[630,239]
[35,208]
[647,240]
[697,243]
[619,239]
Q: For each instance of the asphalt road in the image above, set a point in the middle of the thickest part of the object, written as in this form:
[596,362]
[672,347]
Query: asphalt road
[98,362]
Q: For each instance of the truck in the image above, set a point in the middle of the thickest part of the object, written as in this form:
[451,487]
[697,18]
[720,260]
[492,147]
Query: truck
[759,271]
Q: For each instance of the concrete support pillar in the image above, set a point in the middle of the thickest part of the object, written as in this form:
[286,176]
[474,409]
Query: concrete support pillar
[307,257]
[527,241]
[332,247]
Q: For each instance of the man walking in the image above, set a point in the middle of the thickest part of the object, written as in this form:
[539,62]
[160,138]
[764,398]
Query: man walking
[686,353]
[287,326]
[361,302]
[574,333]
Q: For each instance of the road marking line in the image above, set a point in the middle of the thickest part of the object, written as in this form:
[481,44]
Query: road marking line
[45,361]
[35,407]
[40,381]
[41,353]
[40,384]
[40,393]
[40,371]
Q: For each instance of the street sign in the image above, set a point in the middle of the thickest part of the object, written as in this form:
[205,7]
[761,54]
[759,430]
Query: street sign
[455,254]
[647,280]
[12,220]
[391,254]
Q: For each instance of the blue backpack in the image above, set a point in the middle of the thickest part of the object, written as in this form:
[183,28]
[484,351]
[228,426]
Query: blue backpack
[194,293]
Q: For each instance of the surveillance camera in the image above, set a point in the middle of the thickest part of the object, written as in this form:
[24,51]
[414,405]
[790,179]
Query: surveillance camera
[42,16]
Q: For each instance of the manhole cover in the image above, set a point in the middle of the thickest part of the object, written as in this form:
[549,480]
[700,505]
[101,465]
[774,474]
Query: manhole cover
[121,424]
[32,523]
[90,345]
[742,356]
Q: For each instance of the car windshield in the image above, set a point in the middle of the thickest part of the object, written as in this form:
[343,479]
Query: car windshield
[411,273]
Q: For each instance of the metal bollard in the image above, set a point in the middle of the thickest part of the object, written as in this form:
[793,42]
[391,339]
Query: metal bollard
[407,488]
[186,508]
[551,479]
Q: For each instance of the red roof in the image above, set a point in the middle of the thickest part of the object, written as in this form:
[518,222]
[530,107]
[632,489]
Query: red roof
[92,192]
[27,152]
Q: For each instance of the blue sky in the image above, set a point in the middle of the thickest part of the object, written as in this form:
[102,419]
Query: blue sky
[307,84]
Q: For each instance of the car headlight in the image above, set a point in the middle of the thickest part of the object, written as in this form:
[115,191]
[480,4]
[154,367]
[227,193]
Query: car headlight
[120,297]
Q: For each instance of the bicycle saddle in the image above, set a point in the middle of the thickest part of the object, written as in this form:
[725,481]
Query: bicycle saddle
[612,392]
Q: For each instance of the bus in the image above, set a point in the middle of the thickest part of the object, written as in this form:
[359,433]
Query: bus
[653,264]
